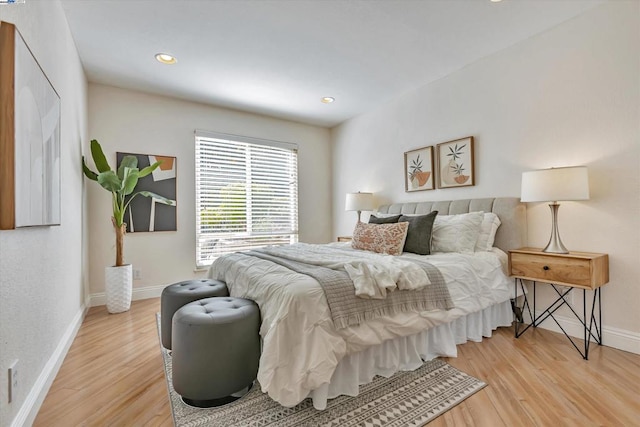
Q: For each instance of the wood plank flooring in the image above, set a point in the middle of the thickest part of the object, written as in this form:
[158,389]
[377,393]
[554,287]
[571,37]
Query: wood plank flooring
[113,376]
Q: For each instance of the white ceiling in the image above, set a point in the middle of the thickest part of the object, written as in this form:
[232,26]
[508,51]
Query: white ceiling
[279,57]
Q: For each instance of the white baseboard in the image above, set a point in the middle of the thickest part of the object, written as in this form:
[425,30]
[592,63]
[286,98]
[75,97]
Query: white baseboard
[611,337]
[138,293]
[29,409]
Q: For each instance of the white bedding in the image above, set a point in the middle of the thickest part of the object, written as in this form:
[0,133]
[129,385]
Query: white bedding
[301,347]
[373,274]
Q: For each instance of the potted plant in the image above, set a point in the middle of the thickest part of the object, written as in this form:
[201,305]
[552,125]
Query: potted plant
[121,184]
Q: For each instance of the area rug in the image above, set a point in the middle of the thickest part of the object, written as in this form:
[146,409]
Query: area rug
[411,398]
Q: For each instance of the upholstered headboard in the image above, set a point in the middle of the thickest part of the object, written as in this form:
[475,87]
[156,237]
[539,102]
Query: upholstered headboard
[512,233]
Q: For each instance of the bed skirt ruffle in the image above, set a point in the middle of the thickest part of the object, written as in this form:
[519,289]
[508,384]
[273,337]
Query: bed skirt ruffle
[409,353]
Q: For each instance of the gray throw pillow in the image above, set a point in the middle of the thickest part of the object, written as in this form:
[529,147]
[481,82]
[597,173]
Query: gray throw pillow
[419,233]
[384,220]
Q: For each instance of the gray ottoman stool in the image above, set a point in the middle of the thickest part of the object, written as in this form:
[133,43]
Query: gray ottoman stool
[216,349]
[176,295]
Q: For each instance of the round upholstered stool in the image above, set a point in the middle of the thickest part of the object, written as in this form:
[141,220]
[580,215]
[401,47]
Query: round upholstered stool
[176,295]
[216,349]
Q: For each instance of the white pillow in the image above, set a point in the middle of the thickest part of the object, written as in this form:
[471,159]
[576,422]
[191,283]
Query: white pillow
[488,227]
[456,233]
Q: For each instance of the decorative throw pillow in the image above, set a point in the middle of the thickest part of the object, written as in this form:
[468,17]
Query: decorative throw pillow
[384,220]
[419,233]
[380,238]
[386,215]
[456,233]
[488,228]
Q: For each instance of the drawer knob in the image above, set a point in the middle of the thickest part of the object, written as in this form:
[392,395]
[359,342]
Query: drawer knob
[546,267]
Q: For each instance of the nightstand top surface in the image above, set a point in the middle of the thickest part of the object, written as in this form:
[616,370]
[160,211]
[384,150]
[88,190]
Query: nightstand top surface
[571,254]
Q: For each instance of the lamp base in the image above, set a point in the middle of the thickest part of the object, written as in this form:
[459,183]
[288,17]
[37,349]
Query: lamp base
[555,249]
[555,245]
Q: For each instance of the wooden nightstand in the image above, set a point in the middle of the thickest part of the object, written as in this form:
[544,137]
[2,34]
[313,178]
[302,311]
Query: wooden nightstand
[581,270]
[344,238]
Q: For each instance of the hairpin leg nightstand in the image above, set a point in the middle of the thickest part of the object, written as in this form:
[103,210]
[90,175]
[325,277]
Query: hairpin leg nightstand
[575,270]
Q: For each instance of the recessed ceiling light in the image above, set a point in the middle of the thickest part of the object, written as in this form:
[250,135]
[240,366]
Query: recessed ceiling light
[165,58]
[496,1]
[327,99]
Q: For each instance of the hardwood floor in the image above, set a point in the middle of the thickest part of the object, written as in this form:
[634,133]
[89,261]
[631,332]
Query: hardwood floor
[113,373]
[113,376]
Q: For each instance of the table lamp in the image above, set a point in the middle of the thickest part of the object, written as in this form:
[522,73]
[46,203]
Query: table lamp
[359,202]
[553,185]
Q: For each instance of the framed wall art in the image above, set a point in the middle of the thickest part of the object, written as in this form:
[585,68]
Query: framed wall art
[418,169]
[29,137]
[148,213]
[455,163]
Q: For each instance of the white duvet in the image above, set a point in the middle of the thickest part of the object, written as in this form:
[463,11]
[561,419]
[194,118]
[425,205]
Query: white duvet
[301,347]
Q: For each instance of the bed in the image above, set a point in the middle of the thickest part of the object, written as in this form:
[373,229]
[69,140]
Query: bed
[306,355]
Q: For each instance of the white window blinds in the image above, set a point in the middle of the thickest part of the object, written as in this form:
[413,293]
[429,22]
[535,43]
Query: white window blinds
[246,194]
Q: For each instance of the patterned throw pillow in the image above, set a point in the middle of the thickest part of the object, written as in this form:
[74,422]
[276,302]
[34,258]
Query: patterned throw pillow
[381,238]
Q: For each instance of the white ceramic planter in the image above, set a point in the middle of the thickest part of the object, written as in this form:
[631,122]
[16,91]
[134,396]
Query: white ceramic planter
[118,283]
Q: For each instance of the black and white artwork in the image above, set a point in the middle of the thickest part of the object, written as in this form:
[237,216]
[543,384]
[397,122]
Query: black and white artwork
[32,111]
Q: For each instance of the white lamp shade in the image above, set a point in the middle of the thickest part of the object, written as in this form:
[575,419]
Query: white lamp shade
[359,202]
[555,184]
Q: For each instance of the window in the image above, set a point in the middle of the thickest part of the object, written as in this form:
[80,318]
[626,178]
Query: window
[246,194]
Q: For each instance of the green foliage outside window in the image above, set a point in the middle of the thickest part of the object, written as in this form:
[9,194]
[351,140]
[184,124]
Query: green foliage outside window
[230,216]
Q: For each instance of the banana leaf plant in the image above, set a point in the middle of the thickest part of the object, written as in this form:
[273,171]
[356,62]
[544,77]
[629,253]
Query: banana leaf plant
[120,184]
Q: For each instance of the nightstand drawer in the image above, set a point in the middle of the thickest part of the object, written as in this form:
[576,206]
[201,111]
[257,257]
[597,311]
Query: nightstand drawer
[552,269]
[577,269]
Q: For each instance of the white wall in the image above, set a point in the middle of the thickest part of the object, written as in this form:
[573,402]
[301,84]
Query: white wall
[569,96]
[124,120]
[41,270]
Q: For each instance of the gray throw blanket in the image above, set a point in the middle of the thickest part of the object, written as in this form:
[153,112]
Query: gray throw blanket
[349,310]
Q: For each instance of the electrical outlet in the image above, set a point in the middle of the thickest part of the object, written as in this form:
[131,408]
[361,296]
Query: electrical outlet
[13,380]
[137,274]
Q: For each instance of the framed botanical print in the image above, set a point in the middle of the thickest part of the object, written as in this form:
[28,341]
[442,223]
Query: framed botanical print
[418,169]
[455,163]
